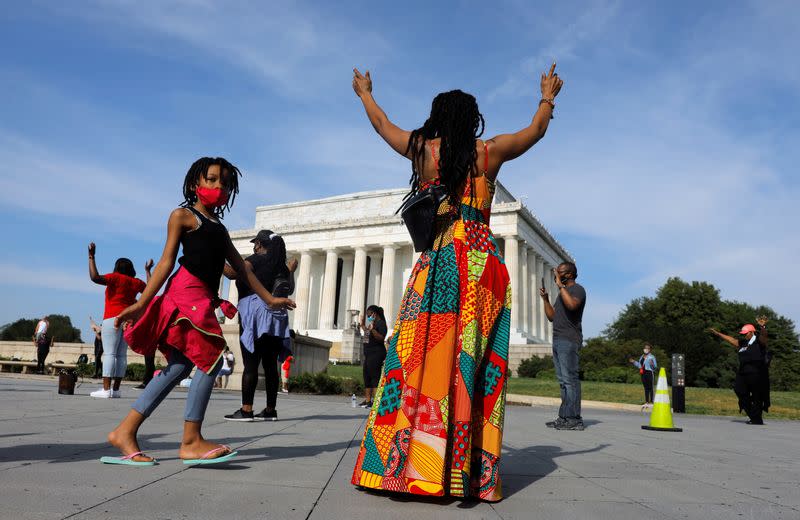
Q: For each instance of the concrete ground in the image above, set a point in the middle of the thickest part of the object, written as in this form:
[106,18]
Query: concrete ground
[299,467]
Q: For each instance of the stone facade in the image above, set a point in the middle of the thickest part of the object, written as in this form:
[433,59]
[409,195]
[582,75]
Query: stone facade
[354,251]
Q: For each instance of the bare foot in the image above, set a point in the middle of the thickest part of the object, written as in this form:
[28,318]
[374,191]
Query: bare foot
[201,447]
[126,443]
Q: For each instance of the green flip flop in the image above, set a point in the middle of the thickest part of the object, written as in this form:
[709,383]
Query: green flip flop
[127,460]
[205,460]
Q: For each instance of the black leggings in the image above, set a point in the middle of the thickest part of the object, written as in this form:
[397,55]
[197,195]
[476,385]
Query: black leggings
[149,368]
[647,382]
[265,352]
[749,388]
[41,356]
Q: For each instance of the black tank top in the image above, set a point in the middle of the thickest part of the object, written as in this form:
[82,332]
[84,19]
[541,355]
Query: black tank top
[204,250]
[279,284]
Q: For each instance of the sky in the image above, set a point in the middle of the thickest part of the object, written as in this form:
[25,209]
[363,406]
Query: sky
[672,150]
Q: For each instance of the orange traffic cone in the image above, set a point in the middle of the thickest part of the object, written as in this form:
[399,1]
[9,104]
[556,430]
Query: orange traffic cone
[661,416]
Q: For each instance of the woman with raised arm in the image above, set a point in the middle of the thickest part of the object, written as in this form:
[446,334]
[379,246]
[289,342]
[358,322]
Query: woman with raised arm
[436,425]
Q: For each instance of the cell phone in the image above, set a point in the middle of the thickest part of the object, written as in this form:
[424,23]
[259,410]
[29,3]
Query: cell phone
[542,282]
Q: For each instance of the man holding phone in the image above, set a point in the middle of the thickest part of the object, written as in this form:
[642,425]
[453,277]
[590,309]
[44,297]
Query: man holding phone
[566,314]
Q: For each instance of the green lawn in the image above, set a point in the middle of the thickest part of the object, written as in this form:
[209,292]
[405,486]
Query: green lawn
[709,401]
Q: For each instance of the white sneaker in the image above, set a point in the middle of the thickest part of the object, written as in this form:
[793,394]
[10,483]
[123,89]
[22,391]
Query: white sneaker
[102,394]
[116,394]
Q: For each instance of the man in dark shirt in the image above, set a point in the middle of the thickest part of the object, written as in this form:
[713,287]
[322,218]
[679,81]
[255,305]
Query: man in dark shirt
[566,314]
[752,380]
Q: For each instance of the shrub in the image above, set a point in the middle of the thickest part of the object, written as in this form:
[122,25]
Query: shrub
[135,372]
[610,375]
[350,386]
[84,370]
[532,366]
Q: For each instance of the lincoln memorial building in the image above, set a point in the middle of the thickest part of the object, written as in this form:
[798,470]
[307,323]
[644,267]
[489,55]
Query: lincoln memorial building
[354,251]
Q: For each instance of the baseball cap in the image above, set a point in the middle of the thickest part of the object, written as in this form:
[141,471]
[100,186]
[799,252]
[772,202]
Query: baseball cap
[263,236]
[747,328]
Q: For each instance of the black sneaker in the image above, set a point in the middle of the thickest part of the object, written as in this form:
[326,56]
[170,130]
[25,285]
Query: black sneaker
[240,416]
[552,424]
[571,424]
[363,403]
[756,423]
[366,404]
[141,386]
[264,415]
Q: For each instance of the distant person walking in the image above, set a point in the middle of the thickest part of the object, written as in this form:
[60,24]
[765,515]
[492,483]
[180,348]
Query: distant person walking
[566,314]
[374,330]
[647,366]
[122,286]
[263,330]
[98,348]
[226,370]
[43,342]
[752,379]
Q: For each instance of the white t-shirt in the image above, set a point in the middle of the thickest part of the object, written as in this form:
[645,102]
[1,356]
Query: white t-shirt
[41,327]
[226,358]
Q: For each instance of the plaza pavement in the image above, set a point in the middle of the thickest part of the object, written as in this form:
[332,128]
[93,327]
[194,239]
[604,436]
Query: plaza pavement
[299,467]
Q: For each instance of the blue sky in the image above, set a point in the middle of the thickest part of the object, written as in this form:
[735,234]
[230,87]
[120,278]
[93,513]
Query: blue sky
[671,153]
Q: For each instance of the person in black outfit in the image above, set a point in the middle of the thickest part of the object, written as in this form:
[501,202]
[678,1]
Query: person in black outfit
[43,343]
[374,328]
[98,348]
[752,380]
[262,330]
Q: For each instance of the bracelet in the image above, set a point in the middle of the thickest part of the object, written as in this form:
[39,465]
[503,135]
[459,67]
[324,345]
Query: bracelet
[550,102]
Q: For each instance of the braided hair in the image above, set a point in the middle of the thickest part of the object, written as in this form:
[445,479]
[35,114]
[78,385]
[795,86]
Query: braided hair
[455,119]
[200,168]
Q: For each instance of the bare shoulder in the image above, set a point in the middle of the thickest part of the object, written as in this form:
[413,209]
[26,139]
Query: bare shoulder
[183,217]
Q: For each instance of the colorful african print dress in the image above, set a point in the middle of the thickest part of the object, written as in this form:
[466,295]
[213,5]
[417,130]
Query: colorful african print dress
[436,425]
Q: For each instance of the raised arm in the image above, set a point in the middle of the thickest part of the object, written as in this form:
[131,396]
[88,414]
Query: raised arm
[763,337]
[147,267]
[395,136]
[93,274]
[245,270]
[724,337]
[179,221]
[506,147]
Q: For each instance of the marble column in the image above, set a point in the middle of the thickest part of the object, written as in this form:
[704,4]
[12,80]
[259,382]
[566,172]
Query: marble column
[524,285]
[541,318]
[359,286]
[302,292]
[374,288]
[512,264]
[343,318]
[387,280]
[328,301]
[532,292]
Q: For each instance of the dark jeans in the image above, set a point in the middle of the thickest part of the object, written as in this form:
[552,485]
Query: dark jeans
[565,359]
[41,355]
[149,368]
[98,362]
[647,382]
[265,352]
[749,389]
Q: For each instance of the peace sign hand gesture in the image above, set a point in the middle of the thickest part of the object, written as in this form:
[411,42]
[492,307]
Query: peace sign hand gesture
[361,83]
[551,83]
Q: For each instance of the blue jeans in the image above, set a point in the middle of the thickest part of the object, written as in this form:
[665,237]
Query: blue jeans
[179,368]
[115,350]
[565,359]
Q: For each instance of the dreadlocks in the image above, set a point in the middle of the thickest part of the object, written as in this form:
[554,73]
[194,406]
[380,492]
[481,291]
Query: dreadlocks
[455,119]
[200,168]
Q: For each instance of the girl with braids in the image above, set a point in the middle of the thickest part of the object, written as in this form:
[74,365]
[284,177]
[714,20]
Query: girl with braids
[263,330]
[181,322]
[436,425]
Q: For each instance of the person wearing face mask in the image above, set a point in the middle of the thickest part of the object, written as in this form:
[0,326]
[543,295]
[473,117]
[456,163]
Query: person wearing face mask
[752,379]
[374,330]
[566,314]
[263,331]
[647,366]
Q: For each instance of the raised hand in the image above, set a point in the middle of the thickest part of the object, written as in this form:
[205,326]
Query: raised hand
[551,83]
[762,320]
[361,83]
[92,249]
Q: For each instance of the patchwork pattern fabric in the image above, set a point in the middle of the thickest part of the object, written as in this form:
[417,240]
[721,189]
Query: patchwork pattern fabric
[436,425]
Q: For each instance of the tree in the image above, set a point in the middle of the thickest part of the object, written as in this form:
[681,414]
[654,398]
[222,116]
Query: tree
[677,319]
[60,328]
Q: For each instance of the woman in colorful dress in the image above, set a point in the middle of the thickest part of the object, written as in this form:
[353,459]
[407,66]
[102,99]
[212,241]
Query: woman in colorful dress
[436,425]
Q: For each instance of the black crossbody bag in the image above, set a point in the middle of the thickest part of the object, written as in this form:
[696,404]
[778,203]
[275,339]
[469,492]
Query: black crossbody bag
[419,215]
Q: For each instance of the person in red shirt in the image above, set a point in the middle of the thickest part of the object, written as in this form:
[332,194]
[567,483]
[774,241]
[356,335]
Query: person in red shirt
[122,286]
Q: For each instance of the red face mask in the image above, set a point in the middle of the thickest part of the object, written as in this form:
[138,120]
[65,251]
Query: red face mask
[212,197]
